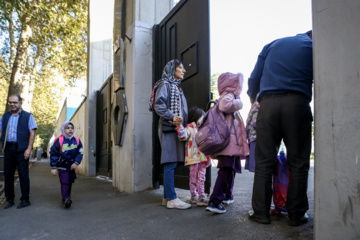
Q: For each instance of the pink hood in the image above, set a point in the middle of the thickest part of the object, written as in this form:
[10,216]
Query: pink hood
[230,82]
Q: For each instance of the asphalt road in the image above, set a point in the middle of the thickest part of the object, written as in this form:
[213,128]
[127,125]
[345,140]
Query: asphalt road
[100,211]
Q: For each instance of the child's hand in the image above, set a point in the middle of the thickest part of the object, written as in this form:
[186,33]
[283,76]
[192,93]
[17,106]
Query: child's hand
[73,166]
[53,172]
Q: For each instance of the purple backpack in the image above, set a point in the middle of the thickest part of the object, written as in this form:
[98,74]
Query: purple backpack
[213,134]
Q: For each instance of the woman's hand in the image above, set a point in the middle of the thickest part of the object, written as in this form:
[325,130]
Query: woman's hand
[53,172]
[177,120]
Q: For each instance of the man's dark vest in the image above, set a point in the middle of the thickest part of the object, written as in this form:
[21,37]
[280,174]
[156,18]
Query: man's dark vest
[23,133]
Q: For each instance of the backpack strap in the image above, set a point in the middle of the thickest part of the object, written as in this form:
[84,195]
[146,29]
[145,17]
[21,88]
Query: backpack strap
[77,141]
[61,140]
[153,93]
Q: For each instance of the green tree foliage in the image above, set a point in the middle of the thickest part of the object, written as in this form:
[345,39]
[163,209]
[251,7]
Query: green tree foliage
[214,89]
[45,107]
[42,50]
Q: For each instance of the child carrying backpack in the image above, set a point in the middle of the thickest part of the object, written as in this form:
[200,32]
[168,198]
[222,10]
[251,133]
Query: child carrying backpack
[65,155]
[196,160]
[229,87]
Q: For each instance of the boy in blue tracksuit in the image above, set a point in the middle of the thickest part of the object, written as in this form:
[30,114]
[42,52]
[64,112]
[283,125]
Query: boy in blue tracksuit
[65,155]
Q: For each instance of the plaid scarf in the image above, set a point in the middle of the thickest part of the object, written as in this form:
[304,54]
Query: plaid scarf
[168,75]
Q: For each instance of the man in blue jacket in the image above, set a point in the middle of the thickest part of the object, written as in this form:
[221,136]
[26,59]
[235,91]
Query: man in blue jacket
[282,80]
[17,134]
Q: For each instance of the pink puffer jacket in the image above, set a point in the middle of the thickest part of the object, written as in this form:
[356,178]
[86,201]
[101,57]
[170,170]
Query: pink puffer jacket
[230,86]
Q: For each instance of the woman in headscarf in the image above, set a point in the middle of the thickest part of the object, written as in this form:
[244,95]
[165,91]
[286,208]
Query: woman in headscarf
[171,106]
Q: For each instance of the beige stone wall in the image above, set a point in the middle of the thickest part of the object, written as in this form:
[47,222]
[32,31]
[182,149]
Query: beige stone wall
[79,121]
[61,118]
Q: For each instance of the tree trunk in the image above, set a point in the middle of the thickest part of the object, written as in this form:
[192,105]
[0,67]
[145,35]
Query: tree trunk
[29,84]
[12,40]
[18,68]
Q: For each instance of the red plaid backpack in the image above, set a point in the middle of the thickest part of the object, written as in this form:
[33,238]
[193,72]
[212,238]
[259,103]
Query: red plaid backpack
[152,95]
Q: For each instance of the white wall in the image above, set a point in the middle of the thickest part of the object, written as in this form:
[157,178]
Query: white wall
[100,66]
[132,163]
[337,121]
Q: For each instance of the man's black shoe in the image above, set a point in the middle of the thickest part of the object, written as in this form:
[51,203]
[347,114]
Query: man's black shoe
[9,204]
[296,221]
[23,203]
[259,219]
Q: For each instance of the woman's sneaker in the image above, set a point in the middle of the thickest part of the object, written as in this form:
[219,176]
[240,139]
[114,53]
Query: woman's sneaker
[194,199]
[228,201]
[215,208]
[202,201]
[177,204]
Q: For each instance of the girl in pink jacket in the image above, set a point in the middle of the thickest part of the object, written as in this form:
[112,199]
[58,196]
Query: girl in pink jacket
[229,87]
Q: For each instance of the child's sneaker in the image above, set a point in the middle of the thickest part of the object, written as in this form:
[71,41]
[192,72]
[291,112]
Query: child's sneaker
[228,201]
[215,208]
[163,201]
[67,203]
[177,204]
[202,201]
[251,212]
[194,199]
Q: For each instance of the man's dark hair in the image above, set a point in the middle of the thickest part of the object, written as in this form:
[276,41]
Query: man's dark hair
[309,33]
[18,96]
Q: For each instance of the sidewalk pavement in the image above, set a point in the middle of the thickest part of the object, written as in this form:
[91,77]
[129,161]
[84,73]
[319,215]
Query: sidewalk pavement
[100,211]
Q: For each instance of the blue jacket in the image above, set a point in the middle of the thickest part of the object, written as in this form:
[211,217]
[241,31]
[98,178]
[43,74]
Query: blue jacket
[70,153]
[23,133]
[284,65]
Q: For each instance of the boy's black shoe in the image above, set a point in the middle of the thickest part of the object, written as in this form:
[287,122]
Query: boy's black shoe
[9,204]
[68,203]
[258,218]
[296,221]
[23,203]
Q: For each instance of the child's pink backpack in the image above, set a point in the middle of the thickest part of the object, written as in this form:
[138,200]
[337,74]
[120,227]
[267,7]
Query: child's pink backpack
[213,134]
[61,140]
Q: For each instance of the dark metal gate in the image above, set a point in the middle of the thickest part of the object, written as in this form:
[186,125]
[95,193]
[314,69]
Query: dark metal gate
[184,34]
[103,128]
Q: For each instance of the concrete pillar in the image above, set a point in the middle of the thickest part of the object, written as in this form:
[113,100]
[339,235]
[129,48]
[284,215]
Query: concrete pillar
[337,121]
[132,162]
[100,62]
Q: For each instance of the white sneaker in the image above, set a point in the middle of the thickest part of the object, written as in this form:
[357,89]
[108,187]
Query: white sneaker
[178,204]
[228,201]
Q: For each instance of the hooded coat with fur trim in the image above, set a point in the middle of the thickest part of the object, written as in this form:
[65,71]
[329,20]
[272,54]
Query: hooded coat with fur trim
[229,87]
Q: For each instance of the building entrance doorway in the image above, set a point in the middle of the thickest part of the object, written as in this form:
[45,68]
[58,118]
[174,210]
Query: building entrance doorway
[183,34]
